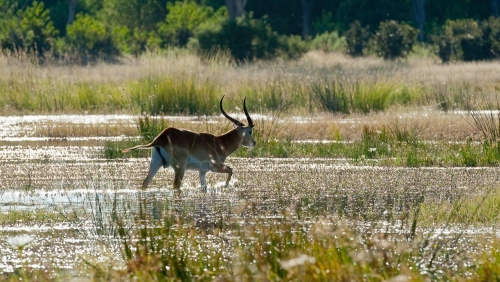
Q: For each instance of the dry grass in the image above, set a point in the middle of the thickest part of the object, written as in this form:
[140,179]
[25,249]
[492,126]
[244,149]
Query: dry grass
[289,77]
[430,124]
[62,129]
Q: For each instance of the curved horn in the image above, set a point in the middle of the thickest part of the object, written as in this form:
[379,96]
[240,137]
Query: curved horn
[250,122]
[227,116]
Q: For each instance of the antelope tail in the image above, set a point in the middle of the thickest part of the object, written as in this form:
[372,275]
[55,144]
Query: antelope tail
[138,147]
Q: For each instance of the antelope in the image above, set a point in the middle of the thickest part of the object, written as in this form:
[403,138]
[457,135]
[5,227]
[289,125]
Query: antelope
[203,152]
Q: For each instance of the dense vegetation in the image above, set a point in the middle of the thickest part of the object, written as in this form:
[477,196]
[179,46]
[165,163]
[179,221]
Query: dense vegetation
[86,30]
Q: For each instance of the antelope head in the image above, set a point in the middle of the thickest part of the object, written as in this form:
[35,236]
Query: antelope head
[244,131]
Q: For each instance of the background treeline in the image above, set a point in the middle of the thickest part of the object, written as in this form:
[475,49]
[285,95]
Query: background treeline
[84,30]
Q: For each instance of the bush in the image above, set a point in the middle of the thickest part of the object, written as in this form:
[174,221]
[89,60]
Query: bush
[469,35]
[291,47]
[246,38]
[134,41]
[31,30]
[182,19]
[491,38]
[394,40]
[89,37]
[357,39]
[460,40]
[446,47]
[324,24]
[329,42]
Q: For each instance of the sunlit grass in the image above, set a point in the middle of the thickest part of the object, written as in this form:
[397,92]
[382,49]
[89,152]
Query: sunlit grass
[14,216]
[178,82]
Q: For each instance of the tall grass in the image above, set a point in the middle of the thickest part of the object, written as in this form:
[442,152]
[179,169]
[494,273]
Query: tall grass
[183,83]
[173,95]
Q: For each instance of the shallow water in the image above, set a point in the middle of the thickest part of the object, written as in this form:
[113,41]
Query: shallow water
[71,178]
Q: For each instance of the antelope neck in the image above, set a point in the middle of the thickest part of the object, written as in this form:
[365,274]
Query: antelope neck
[228,141]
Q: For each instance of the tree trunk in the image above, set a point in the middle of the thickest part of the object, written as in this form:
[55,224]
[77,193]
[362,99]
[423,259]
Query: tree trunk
[235,8]
[306,18]
[494,8]
[71,11]
[419,17]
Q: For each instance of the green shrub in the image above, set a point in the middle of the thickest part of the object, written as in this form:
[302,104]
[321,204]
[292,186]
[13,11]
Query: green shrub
[446,47]
[491,38]
[134,41]
[469,35]
[89,37]
[460,40]
[31,30]
[291,47]
[182,19]
[394,40]
[324,24]
[246,38]
[329,42]
[357,39]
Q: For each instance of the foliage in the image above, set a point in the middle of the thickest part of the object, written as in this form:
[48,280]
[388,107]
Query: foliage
[357,39]
[182,19]
[134,14]
[491,37]
[324,24]
[89,37]
[291,47]
[394,40]
[134,41]
[329,42]
[460,40]
[31,30]
[371,13]
[246,38]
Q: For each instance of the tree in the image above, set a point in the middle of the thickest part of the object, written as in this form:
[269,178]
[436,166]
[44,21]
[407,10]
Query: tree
[31,29]
[419,17]
[71,11]
[134,14]
[235,8]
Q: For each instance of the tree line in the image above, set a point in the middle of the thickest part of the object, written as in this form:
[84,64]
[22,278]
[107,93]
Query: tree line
[89,29]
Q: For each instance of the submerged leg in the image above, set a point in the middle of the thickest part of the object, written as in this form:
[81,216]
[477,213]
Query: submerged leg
[179,170]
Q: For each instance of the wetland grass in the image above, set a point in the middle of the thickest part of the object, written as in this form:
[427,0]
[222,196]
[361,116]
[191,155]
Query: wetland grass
[352,236]
[180,83]
[389,142]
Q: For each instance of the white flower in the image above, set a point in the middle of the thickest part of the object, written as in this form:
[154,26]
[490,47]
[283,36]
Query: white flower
[372,149]
[19,241]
